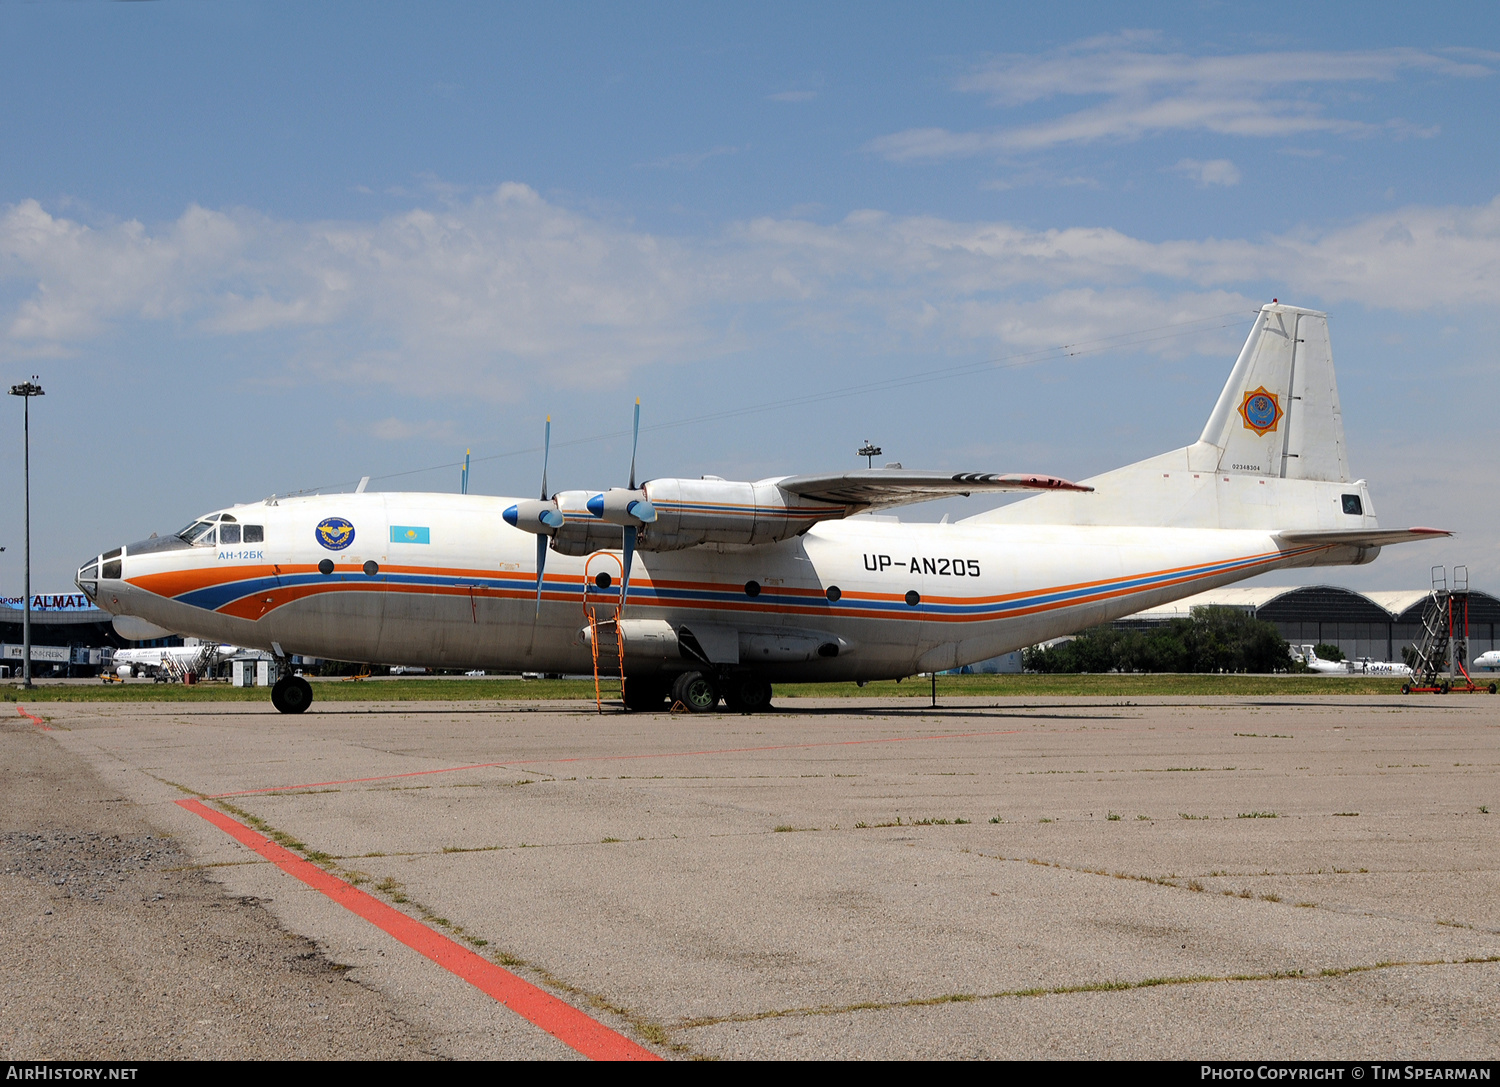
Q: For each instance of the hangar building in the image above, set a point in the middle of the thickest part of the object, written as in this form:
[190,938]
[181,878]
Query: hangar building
[1373,624]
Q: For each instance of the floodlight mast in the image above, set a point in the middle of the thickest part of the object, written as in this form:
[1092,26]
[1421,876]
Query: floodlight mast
[26,390]
[869,452]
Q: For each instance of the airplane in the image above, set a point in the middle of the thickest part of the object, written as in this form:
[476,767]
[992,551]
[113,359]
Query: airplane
[1318,664]
[1363,666]
[737,585]
[129,662]
[1487,660]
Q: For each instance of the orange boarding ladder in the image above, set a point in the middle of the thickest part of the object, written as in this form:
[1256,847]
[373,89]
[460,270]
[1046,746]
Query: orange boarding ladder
[601,607]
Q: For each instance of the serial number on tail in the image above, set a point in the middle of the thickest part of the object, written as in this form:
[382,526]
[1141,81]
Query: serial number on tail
[939,567]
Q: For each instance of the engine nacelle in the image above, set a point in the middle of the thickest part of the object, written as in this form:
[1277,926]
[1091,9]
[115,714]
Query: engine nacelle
[690,512]
[531,515]
[620,506]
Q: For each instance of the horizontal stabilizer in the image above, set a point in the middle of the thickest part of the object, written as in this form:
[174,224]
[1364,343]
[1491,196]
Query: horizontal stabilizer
[1366,537]
[882,488]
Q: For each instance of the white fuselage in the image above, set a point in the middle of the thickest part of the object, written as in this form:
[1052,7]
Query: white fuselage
[156,656]
[830,604]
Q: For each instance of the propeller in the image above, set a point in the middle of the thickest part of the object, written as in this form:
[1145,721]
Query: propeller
[634,509]
[541,517]
[542,541]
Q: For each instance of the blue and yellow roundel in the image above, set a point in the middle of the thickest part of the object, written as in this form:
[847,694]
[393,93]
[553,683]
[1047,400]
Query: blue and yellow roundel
[1261,411]
[334,533]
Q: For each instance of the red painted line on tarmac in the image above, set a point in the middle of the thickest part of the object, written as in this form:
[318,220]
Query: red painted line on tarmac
[614,758]
[559,1019]
[34,718]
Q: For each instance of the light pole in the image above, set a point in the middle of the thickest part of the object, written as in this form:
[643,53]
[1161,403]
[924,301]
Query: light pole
[26,390]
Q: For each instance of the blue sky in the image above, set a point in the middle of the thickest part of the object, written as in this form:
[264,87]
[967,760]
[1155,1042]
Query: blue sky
[256,248]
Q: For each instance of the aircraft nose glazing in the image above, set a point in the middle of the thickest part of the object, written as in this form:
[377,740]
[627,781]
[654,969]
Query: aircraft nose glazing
[88,578]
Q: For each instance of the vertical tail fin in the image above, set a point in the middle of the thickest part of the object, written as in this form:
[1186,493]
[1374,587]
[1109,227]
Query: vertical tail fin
[1272,455]
[1279,412]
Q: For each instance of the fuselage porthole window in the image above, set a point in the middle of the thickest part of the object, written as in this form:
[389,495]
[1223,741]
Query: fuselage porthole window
[255,534]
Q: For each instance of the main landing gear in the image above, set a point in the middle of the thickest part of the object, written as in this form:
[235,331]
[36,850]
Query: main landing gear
[700,693]
[291,694]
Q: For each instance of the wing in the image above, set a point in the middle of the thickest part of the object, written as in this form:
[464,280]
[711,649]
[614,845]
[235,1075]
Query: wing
[882,488]
[1363,537]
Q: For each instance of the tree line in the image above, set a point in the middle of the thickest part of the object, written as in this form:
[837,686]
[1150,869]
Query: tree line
[1214,639]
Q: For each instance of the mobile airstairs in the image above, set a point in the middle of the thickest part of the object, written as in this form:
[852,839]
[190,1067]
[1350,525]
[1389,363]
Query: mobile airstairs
[1441,654]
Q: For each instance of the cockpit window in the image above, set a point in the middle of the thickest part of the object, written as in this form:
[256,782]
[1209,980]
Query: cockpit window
[228,533]
[198,532]
[255,533]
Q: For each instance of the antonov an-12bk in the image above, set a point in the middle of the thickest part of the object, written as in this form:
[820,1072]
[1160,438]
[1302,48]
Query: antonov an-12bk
[731,586]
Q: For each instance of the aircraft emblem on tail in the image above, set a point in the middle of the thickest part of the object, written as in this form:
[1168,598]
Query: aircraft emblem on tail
[1261,411]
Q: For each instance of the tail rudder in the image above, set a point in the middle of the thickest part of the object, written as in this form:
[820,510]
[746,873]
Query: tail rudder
[1279,414]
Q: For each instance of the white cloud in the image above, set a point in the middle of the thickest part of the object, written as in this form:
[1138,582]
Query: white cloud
[501,283]
[492,294]
[688,160]
[392,429]
[1212,172]
[1251,94]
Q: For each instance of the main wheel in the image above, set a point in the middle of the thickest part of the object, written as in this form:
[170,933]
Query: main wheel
[644,694]
[291,694]
[695,691]
[747,694]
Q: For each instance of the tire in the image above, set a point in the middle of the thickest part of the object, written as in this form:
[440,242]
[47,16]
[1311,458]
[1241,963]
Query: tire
[1492,688]
[696,691]
[645,695]
[1445,688]
[748,694]
[1406,688]
[291,694]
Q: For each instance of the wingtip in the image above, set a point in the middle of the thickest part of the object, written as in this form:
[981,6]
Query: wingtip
[1420,530]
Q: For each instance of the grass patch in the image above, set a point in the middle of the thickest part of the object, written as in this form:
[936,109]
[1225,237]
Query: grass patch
[1257,815]
[509,689]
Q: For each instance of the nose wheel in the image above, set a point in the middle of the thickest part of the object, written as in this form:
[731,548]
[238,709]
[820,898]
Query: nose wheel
[291,694]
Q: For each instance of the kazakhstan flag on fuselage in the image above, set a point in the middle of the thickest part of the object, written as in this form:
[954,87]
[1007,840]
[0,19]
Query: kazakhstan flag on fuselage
[411,534]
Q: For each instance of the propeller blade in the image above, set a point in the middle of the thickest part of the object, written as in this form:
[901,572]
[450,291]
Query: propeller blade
[546,450]
[635,441]
[541,564]
[630,532]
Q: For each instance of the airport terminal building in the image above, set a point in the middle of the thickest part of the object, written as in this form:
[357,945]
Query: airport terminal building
[1369,624]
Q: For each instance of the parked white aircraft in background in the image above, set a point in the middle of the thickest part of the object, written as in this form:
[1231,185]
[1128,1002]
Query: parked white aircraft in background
[138,662]
[1364,666]
[1318,664]
[739,584]
[1487,660]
